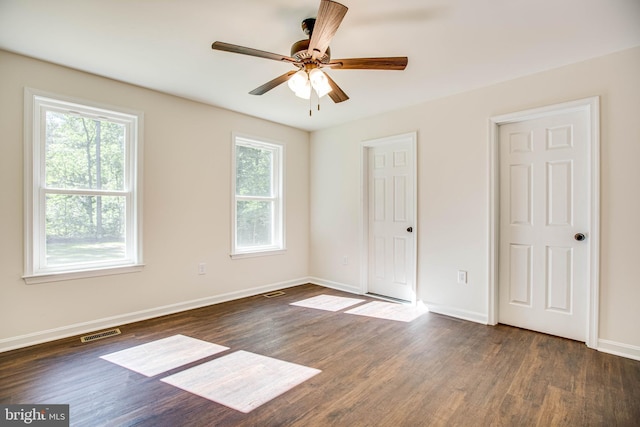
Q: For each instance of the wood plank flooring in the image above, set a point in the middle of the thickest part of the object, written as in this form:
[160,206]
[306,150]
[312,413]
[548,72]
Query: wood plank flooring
[434,371]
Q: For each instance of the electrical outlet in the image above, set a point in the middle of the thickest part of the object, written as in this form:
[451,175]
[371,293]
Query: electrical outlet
[202,268]
[345,260]
[462,276]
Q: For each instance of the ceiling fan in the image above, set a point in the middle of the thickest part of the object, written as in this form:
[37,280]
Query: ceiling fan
[309,56]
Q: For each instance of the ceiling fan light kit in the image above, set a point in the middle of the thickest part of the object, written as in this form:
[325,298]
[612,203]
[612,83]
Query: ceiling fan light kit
[299,84]
[302,82]
[312,54]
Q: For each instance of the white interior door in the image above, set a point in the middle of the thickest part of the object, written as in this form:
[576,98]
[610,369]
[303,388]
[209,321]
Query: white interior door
[391,222]
[544,224]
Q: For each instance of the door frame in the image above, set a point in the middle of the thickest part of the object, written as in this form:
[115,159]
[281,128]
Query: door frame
[592,107]
[365,147]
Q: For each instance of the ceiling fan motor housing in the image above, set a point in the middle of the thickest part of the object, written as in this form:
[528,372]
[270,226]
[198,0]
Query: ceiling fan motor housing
[300,49]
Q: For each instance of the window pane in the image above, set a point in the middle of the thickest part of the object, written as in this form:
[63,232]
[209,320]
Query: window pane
[253,171]
[82,229]
[254,223]
[83,153]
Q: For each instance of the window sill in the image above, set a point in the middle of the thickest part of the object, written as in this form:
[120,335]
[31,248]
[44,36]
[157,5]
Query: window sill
[81,274]
[258,253]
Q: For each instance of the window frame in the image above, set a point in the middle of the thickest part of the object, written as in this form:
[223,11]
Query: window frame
[36,104]
[278,245]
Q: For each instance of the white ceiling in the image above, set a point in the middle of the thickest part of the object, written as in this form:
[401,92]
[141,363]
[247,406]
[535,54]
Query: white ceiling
[452,45]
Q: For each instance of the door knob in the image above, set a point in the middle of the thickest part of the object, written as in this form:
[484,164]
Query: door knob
[410,229]
[579,237]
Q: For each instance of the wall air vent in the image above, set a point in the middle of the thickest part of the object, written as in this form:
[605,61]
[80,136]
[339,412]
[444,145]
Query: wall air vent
[100,335]
[273,294]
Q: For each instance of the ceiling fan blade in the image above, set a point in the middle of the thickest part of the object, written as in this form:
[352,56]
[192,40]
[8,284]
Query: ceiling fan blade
[390,63]
[273,83]
[234,48]
[336,94]
[330,16]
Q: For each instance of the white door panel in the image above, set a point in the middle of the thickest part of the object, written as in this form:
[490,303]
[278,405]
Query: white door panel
[391,252]
[544,202]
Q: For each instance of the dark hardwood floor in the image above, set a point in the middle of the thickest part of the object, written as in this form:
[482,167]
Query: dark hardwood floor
[433,371]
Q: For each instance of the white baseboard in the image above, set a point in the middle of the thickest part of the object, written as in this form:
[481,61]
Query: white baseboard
[335,285]
[471,316]
[619,349]
[434,308]
[12,343]
[39,337]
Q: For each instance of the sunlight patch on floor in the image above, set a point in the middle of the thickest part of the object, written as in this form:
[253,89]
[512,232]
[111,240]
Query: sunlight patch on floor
[327,302]
[241,380]
[160,356]
[389,311]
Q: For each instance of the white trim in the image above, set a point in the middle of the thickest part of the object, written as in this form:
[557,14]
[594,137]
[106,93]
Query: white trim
[363,221]
[34,101]
[28,178]
[336,285]
[278,171]
[364,206]
[494,223]
[39,337]
[619,349]
[7,344]
[81,274]
[592,106]
[265,252]
[594,210]
[458,313]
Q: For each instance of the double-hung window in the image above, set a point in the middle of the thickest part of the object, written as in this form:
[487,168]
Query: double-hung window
[257,197]
[82,185]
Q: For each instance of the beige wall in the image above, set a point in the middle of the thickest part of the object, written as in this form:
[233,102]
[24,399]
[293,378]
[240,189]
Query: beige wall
[186,200]
[453,189]
[187,170]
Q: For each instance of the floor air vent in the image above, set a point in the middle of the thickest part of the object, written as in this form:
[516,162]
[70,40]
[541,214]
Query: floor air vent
[273,294]
[100,335]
